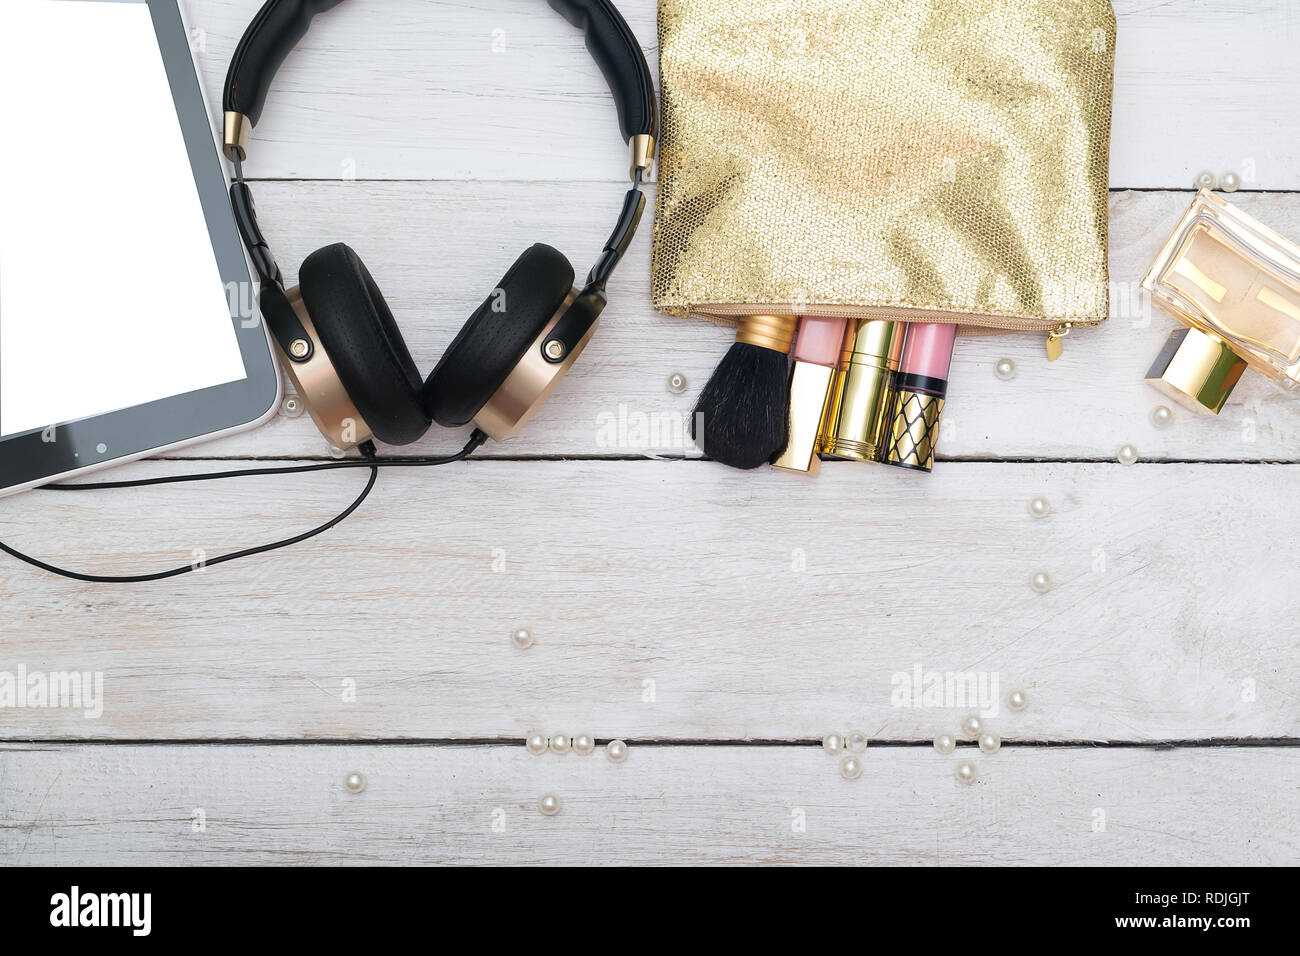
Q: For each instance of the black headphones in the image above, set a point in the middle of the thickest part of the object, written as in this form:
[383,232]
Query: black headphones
[337,338]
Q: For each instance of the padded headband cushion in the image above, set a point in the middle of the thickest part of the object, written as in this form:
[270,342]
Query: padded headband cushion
[281,24]
[614,47]
[274,32]
[497,335]
[358,331]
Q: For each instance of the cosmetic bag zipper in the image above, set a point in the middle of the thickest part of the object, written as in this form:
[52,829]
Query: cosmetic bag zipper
[1056,330]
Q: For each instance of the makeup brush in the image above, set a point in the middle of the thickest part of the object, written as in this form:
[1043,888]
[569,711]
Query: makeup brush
[740,419]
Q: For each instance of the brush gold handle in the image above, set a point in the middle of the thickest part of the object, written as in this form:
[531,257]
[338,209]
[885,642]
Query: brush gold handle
[775,332]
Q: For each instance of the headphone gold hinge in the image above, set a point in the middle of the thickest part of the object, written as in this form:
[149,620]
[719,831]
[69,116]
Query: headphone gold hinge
[642,149]
[236,136]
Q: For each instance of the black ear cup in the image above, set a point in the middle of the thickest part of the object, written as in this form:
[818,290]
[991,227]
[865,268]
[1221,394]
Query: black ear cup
[497,335]
[358,331]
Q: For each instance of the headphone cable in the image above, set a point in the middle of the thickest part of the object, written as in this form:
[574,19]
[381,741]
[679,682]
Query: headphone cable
[369,460]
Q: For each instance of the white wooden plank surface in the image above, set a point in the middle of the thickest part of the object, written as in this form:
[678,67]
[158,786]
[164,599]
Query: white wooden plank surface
[499,89]
[1086,405]
[665,805]
[679,601]
[1200,86]
[673,600]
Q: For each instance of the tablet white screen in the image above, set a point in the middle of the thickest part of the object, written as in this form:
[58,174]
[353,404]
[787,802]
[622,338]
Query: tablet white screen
[110,293]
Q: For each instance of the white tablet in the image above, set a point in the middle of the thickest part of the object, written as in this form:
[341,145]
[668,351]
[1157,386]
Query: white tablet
[128,322]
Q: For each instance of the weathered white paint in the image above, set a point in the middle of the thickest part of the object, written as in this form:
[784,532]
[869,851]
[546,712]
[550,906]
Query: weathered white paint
[672,600]
[504,90]
[130,805]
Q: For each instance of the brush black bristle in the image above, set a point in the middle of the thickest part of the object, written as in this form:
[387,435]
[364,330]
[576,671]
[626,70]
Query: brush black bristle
[740,419]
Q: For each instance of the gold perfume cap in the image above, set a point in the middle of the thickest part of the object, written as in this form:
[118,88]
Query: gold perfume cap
[810,387]
[856,418]
[1197,370]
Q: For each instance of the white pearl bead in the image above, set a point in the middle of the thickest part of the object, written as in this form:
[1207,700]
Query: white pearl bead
[1161,416]
[338,453]
[356,782]
[1039,507]
[584,744]
[677,383]
[856,742]
[966,772]
[971,726]
[1041,582]
[1229,182]
[990,743]
[1005,369]
[560,744]
[292,407]
[537,744]
[1206,180]
[1127,455]
[945,744]
[832,744]
[1017,700]
[522,638]
[850,768]
[616,750]
[549,805]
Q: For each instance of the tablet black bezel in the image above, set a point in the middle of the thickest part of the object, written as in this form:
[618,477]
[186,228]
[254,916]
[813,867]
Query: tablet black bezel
[35,457]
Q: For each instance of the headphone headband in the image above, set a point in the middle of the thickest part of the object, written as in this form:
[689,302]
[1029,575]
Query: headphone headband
[281,24]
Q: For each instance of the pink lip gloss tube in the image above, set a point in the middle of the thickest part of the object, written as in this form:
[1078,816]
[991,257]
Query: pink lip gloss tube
[816,353]
[919,391]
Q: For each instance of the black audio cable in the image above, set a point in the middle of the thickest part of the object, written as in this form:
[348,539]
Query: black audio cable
[369,459]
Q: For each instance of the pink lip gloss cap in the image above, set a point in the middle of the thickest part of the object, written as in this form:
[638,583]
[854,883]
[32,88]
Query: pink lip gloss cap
[820,339]
[928,350]
[918,394]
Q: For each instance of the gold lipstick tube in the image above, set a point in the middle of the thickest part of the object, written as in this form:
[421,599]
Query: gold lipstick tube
[810,389]
[816,356]
[856,417]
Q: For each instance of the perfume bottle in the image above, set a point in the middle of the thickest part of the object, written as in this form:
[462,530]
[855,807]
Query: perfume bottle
[1235,284]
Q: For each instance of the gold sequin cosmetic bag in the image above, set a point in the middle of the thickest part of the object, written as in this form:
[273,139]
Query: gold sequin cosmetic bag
[919,160]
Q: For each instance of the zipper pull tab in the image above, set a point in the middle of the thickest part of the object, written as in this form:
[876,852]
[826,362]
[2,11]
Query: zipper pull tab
[1054,346]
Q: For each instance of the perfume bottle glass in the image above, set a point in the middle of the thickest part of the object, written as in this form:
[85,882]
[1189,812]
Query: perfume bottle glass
[1236,284]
